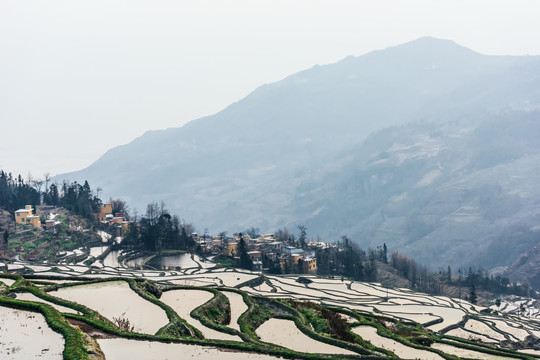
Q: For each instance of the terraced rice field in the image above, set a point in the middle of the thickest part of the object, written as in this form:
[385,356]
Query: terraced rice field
[381,319]
[115,299]
[25,335]
[185,301]
[285,333]
[144,350]
[7,281]
[466,353]
[402,351]
[32,297]
[238,307]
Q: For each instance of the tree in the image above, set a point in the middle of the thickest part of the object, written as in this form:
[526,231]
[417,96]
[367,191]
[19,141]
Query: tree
[284,236]
[253,232]
[522,308]
[47,177]
[473,298]
[132,236]
[6,236]
[498,303]
[245,260]
[119,206]
[300,266]
[302,237]
[38,183]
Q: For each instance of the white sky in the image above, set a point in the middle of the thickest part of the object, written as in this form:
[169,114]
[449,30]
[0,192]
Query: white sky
[80,77]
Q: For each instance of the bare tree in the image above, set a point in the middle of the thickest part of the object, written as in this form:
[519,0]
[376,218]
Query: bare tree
[119,206]
[38,183]
[162,208]
[47,177]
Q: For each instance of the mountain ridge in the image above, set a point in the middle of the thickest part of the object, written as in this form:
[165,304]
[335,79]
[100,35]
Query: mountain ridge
[249,164]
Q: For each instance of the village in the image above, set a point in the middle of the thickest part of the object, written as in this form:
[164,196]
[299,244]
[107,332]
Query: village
[266,252]
[263,250]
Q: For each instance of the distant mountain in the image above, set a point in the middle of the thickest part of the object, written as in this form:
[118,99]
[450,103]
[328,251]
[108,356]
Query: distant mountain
[427,146]
[445,194]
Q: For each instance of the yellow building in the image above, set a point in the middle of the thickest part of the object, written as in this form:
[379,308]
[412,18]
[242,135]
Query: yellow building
[104,211]
[309,266]
[230,249]
[26,216]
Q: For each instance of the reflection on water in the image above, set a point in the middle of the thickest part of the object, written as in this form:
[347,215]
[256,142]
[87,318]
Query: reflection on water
[173,261]
[183,261]
[135,263]
[112,259]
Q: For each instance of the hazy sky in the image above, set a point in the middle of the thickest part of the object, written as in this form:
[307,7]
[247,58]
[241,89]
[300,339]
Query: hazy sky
[80,77]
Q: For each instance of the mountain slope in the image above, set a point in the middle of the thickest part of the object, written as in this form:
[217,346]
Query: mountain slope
[290,152]
[443,194]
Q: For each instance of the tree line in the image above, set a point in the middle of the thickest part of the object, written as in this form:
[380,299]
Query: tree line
[15,193]
[349,260]
[421,279]
[158,230]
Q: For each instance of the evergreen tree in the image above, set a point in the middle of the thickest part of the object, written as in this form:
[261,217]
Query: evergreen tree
[6,236]
[473,298]
[245,260]
[302,237]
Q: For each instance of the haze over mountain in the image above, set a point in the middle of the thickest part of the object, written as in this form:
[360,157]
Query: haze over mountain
[428,146]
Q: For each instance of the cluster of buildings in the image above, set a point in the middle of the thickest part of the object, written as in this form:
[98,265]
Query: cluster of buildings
[264,247]
[106,217]
[27,216]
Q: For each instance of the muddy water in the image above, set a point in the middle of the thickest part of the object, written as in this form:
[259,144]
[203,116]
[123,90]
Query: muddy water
[114,299]
[120,349]
[111,259]
[285,333]
[234,278]
[182,261]
[184,301]
[97,250]
[238,307]
[34,298]
[480,327]
[7,281]
[403,352]
[471,354]
[25,335]
[137,262]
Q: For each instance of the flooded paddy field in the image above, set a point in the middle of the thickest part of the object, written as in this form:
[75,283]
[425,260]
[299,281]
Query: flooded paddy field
[185,301]
[238,307]
[466,353]
[115,299]
[34,298]
[116,349]
[273,333]
[26,335]
[285,333]
[402,351]
[7,281]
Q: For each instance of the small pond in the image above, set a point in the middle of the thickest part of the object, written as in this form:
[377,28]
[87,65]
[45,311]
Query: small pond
[163,262]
